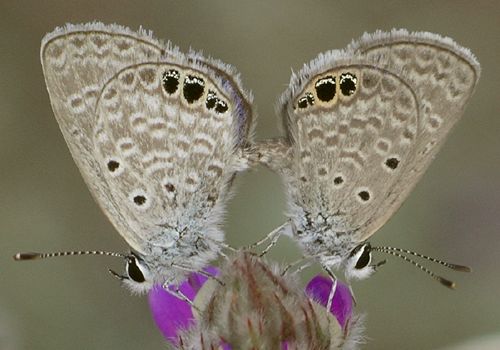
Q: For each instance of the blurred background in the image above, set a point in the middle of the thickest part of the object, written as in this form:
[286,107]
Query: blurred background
[72,303]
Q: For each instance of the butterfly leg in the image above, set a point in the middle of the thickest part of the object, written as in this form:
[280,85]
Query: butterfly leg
[334,286]
[271,244]
[117,275]
[352,295]
[273,236]
[201,272]
[179,294]
[305,261]
[222,245]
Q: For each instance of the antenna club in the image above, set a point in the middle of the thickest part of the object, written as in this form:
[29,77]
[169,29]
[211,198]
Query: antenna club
[460,268]
[447,283]
[26,256]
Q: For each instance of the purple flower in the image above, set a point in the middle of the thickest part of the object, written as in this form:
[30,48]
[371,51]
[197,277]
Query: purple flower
[319,289]
[172,314]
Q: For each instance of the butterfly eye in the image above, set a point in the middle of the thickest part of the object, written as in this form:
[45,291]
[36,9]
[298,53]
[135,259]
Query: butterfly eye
[134,271]
[364,259]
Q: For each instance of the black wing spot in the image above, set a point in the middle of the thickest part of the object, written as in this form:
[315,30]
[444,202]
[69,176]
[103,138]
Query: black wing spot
[348,84]
[307,99]
[364,195]
[338,180]
[113,165]
[310,98]
[214,102]
[211,99]
[221,107]
[302,102]
[193,88]
[170,81]
[392,163]
[139,200]
[325,88]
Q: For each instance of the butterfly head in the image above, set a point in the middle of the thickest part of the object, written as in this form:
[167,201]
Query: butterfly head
[358,263]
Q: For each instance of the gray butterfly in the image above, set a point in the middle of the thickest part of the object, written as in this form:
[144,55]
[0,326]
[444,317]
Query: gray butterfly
[158,137]
[362,125]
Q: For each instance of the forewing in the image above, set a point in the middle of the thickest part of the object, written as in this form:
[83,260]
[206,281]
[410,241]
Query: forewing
[443,76]
[352,126]
[81,64]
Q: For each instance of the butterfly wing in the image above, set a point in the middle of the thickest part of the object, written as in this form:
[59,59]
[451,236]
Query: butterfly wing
[443,75]
[356,156]
[122,130]
[346,120]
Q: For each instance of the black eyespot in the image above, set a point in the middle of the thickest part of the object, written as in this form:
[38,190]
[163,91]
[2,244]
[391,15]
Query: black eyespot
[193,88]
[310,98]
[307,99]
[133,271]
[139,200]
[392,163]
[364,195]
[338,180]
[221,106]
[170,81]
[113,165]
[325,88]
[211,100]
[302,102]
[348,82]
[364,259]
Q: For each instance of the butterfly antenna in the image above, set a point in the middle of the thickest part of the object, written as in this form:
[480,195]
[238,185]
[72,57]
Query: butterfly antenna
[455,267]
[443,281]
[34,256]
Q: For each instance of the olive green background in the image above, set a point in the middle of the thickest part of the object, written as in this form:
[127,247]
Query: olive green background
[72,303]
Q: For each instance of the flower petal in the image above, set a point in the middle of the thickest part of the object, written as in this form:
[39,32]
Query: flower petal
[172,314]
[319,289]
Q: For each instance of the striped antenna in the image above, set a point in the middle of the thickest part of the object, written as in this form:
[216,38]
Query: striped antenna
[34,256]
[399,253]
[455,267]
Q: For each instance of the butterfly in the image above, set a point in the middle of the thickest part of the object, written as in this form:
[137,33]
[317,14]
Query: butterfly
[158,137]
[361,126]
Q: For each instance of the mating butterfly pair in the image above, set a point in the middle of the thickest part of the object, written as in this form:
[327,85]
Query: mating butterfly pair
[158,136]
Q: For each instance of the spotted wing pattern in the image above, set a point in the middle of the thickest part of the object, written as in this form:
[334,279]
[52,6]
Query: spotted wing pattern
[363,124]
[155,133]
[352,127]
[444,76]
